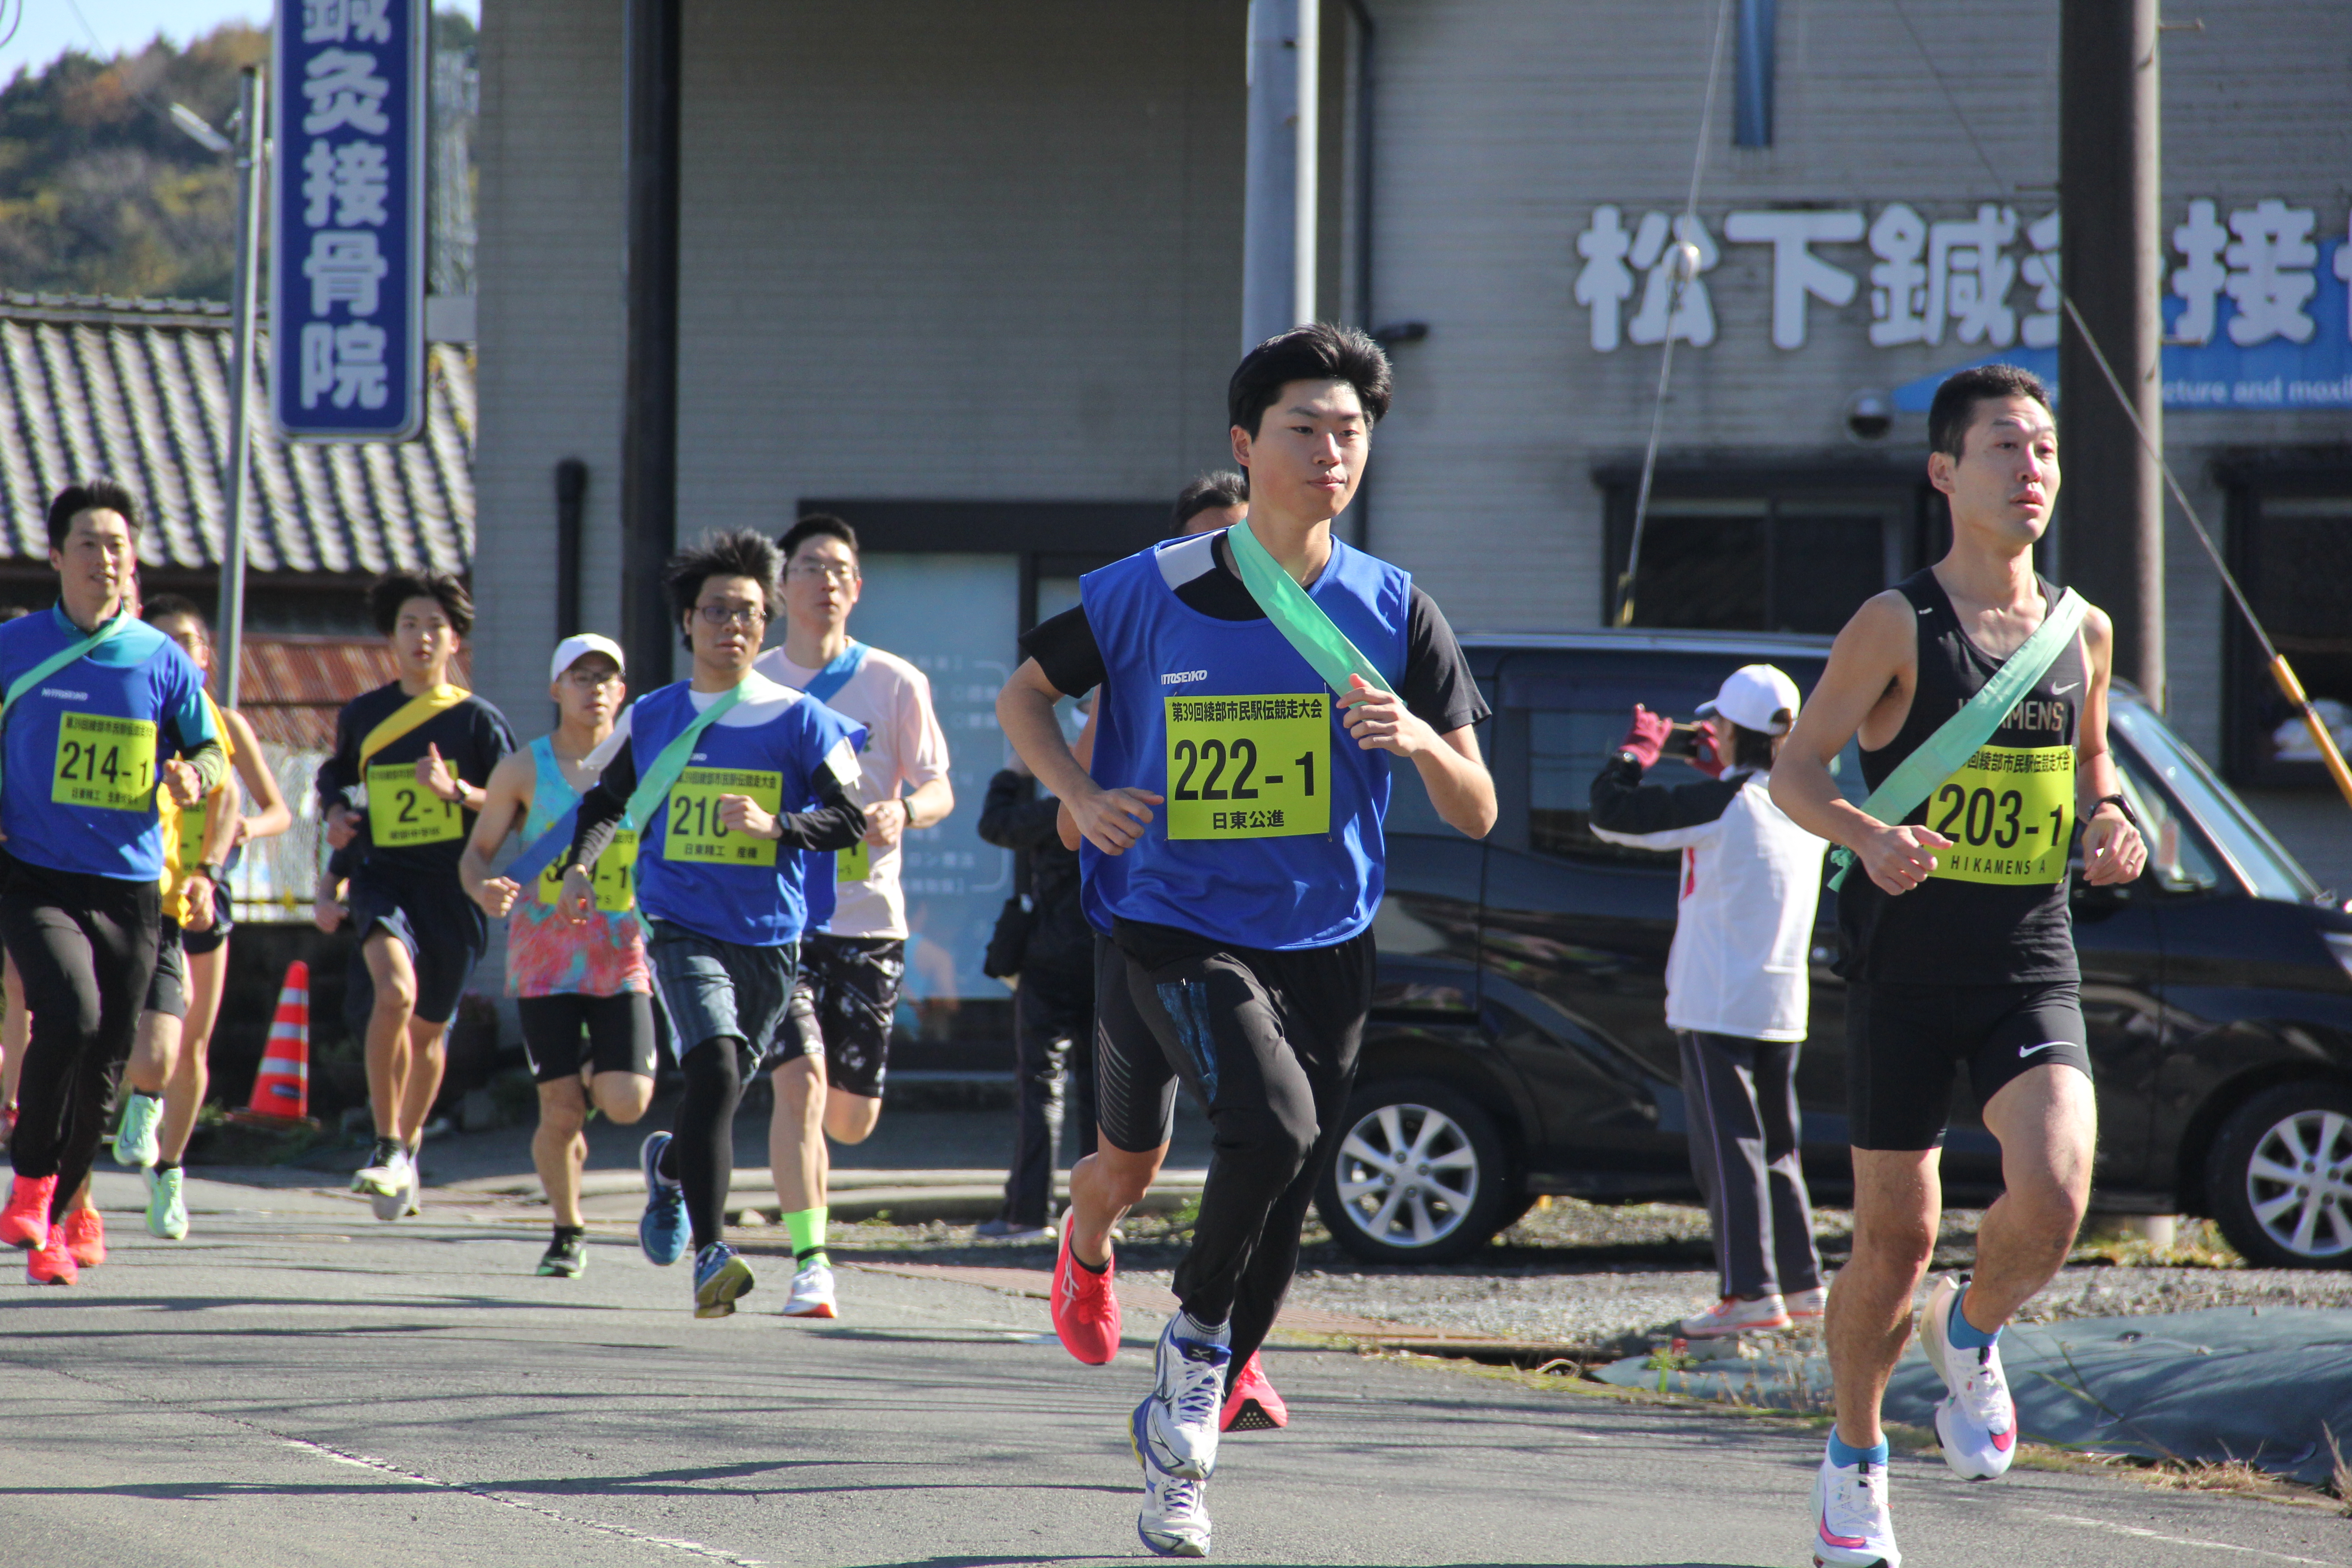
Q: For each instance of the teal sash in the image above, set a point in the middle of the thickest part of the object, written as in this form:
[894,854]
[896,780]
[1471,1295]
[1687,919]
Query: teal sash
[1297,615]
[59,660]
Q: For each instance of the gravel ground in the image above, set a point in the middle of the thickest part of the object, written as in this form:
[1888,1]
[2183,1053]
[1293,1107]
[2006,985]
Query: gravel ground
[1600,1281]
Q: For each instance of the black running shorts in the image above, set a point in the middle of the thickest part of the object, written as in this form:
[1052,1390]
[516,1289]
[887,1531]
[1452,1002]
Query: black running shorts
[211,937]
[843,1006]
[564,1035]
[1905,1044]
[444,930]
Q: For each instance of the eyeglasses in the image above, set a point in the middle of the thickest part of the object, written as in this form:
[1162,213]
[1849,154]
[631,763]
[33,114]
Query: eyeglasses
[810,571]
[589,679]
[730,614]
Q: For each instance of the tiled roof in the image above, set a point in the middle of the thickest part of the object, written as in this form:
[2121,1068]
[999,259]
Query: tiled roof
[290,686]
[139,389]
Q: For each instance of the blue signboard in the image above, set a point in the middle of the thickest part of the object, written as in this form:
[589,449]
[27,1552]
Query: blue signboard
[2276,372]
[347,263]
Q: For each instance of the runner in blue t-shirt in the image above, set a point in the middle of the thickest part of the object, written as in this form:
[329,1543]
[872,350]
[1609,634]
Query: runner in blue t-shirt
[104,712]
[766,771]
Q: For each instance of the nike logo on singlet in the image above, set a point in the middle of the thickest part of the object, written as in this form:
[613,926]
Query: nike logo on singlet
[2062,690]
[2046,1045]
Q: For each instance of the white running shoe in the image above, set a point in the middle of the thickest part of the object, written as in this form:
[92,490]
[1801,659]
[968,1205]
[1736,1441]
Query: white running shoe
[813,1294]
[1176,1424]
[1174,1522]
[1736,1315]
[1976,1422]
[1806,1305]
[137,1142]
[167,1208]
[387,1185]
[1851,1528]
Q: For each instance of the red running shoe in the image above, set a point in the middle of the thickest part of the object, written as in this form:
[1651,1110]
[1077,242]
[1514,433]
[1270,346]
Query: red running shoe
[26,1221]
[51,1263]
[85,1237]
[1085,1308]
[1252,1405]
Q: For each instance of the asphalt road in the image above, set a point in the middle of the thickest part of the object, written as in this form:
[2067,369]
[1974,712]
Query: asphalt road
[295,1385]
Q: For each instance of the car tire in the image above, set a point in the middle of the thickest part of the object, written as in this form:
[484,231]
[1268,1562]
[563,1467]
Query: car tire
[2278,1179]
[1384,1209]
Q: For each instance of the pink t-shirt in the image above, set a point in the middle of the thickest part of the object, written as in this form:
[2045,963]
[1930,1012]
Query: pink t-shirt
[905,750]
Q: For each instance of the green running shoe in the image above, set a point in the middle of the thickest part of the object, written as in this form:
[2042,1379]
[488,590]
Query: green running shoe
[167,1210]
[136,1142]
[567,1257]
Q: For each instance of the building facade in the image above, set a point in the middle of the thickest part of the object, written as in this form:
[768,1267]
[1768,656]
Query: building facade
[970,276]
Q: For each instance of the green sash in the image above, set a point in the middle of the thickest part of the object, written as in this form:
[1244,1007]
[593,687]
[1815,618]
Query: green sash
[56,661]
[1945,751]
[655,782]
[1297,615]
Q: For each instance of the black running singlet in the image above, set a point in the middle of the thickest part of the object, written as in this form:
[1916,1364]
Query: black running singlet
[1995,912]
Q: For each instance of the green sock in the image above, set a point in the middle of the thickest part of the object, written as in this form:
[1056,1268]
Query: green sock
[806,1227]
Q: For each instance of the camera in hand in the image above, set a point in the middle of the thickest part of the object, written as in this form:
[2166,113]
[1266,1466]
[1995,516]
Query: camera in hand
[1681,742]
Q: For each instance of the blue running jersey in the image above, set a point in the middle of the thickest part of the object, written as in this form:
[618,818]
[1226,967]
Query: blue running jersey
[83,749]
[1270,836]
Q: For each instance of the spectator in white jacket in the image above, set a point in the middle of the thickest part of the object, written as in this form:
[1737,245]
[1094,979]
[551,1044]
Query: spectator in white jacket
[1736,985]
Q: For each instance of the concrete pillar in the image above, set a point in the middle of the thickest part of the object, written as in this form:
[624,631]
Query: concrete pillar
[1280,200]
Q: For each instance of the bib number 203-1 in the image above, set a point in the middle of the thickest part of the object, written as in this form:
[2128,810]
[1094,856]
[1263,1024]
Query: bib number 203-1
[2008,813]
[106,763]
[694,827]
[1249,768]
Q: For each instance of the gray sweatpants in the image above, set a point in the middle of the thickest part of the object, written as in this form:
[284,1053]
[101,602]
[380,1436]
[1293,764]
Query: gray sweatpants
[1742,1101]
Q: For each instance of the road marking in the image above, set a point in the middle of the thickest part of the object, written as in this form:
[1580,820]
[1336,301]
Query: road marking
[2080,1521]
[385,1468]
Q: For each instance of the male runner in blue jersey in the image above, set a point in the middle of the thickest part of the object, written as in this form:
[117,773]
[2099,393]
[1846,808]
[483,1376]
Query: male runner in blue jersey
[87,748]
[1245,909]
[1959,944]
[717,875]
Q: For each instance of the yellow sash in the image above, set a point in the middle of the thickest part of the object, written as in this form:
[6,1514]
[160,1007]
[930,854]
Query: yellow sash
[408,716]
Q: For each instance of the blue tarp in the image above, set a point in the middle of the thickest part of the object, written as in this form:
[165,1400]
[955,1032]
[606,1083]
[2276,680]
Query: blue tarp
[2266,1384]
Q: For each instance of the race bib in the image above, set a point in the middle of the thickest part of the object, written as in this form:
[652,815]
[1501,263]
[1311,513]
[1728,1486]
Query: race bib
[693,830]
[402,811]
[2008,813]
[615,894]
[853,864]
[106,763]
[1249,768]
[192,836]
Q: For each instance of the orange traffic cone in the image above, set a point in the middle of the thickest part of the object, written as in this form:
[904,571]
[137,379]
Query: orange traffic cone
[281,1090]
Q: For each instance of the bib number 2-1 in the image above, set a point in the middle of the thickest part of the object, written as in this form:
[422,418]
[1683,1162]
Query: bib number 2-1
[1249,768]
[694,829]
[106,763]
[402,811]
[2008,813]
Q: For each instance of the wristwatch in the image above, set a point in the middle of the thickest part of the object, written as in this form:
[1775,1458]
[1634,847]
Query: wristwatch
[210,870]
[2120,803]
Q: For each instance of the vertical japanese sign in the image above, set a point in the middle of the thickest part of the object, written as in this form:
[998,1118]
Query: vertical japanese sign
[347,263]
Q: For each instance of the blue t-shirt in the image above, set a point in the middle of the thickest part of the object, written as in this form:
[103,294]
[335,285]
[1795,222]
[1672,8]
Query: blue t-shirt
[1270,836]
[84,747]
[693,872]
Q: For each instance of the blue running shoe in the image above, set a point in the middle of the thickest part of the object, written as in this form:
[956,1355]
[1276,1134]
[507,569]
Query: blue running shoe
[661,1229]
[720,1276]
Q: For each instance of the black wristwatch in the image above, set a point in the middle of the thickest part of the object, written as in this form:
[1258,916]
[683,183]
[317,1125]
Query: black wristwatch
[209,870]
[2120,803]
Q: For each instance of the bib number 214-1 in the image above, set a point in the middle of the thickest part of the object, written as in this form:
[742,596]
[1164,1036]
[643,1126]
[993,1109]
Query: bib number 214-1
[1249,768]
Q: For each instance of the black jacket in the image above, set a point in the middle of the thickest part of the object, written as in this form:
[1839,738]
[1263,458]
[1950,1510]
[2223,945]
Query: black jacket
[1061,943]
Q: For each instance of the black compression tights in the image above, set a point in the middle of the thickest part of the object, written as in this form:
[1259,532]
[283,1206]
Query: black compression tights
[701,1153]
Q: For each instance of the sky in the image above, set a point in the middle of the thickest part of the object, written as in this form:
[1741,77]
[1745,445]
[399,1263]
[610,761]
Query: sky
[46,28]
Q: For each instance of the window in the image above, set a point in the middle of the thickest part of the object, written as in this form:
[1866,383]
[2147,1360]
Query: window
[2258,859]
[2291,543]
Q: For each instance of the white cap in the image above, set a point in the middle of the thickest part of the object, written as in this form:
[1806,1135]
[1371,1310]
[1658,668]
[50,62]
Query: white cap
[1758,696]
[572,649]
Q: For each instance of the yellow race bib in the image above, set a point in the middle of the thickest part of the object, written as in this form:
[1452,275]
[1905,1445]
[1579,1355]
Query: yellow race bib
[615,895]
[693,830]
[853,864]
[106,763]
[402,811]
[2008,813]
[1249,768]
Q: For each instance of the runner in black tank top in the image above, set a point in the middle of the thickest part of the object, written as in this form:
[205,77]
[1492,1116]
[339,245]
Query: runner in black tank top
[1957,944]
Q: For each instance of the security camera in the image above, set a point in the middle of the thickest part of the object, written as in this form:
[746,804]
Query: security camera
[1869,415]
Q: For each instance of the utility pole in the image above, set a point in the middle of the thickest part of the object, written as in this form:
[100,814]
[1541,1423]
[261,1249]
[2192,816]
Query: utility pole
[252,160]
[2111,507]
[652,41]
[1280,199]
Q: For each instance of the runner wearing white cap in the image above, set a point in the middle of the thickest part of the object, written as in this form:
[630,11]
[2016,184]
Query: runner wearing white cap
[582,991]
[1736,985]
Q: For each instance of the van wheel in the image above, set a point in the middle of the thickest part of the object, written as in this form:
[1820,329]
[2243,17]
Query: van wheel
[1418,1175]
[2279,1179]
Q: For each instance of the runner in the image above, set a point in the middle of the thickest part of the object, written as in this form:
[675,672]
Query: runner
[98,702]
[583,992]
[719,885]
[1958,947]
[827,1063]
[172,1046]
[1245,929]
[419,753]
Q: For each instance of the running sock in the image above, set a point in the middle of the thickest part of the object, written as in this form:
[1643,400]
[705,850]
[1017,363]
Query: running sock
[385,1147]
[1191,1328]
[1089,1268]
[666,1167]
[163,1165]
[1845,1456]
[1962,1332]
[564,1233]
[806,1228]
